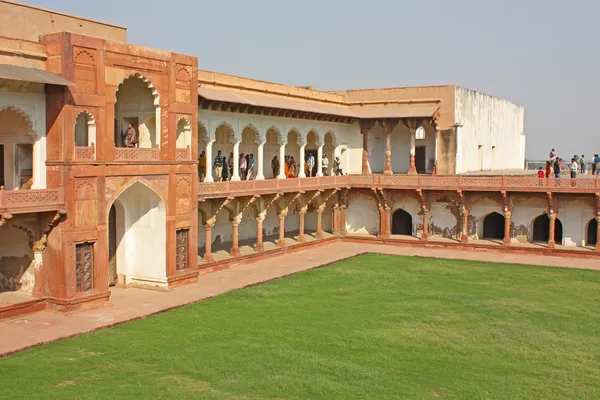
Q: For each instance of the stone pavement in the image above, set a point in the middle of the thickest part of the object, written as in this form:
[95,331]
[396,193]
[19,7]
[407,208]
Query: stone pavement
[129,304]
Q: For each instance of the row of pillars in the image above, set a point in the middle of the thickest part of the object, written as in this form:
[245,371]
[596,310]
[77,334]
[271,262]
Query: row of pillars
[339,228]
[260,162]
[386,226]
[388,125]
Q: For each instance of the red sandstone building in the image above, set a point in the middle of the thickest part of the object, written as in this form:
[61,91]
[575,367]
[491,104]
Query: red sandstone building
[80,212]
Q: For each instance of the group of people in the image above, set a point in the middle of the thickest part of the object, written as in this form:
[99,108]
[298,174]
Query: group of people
[554,166]
[223,166]
[291,168]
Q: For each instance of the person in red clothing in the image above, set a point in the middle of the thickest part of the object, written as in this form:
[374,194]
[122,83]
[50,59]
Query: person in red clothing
[541,173]
[548,169]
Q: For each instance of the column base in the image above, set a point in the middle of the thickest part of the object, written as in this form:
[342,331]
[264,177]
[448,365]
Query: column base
[388,172]
[384,235]
[259,247]
[301,238]
[551,244]
[464,239]
[319,235]
[425,237]
[235,252]
[506,242]
[281,243]
[209,258]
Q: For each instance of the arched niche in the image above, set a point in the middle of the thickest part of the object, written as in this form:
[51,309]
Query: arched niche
[493,226]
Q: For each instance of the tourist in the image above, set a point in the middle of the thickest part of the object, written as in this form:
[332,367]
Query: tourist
[541,173]
[594,164]
[243,166]
[292,169]
[250,173]
[557,168]
[131,137]
[582,164]
[226,168]
[324,165]
[574,168]
[597,164]
[552,155]
[230,164]
[218,167]
[548,169]
[337,170]
[275,167]
[310,163]
[202,166]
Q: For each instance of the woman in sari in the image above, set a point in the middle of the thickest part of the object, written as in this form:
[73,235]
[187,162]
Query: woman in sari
[292,169]
[286,166]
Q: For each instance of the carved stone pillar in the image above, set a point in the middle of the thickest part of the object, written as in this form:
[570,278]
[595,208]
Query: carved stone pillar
[343,229]
[320,161]
[281,162]
[388,126]
[551,241]
[261,162]
[319,234]
[209,163]
[598,233]
[507,216]
[425,234]
[260,246]
[38,248]
[281,240]
[412,169]
[302,172]
[235,176]
[464,236]
[336,220]
[208,241]
[385,222]
[365,127]
[235,250]
[301,214]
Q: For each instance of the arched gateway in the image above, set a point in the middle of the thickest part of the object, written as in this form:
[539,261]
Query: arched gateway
[402,223]
[137,237]
[541,229]
[493,226]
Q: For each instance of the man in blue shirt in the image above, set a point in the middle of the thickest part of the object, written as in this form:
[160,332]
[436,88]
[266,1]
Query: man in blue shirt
[218,167]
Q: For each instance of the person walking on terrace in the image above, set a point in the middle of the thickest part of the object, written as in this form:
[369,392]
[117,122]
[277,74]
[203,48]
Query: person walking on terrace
[548,169]
[582,164]
[250,170]
[597,164]
[202,166]
[324,165]
[275,166]
[337,170]
[243,167]
[541,173]
[556,168]
[574,167]
[230,164]
[594,164]
[218,166]
[310,163]
[552,155]
[225,170]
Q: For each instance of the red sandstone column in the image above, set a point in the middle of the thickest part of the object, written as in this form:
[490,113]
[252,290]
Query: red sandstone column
[425,234]
[208,238]
[319,234]
[384,226]
[551,241]
[343,229]
[388,152]
[235,250]
[507,216]
[260,246]
[464,237]
[336,220]
[365,127]
[281,241]
[301,214]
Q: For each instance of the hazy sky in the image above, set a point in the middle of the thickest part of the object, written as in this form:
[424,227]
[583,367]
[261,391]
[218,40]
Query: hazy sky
[542,54]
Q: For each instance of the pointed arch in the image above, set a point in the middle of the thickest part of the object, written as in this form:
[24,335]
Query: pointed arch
[148,82]
[541,229]
[402,223]
[85,129]
[183,133]
[21,113]
[591,237]
[493,226]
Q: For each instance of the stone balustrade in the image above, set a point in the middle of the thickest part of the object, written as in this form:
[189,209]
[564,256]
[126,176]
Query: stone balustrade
[183,154]
[84,153]
[424,182]
[26,201]
[137,154]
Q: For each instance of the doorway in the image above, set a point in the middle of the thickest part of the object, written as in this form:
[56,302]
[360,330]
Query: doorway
[420,159]
[493,226]
[402,223]
[314,168]
[112,246]
[592,233]
[541,229]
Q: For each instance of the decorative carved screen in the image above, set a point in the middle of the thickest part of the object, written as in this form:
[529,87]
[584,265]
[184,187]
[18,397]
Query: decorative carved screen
[84,266]
[181,249]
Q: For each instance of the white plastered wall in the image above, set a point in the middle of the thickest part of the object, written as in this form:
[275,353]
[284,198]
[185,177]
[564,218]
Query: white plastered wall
[481,208]
[575,215]
[362,215]
[141,236]
[16,259]
[32,104]
[442,222]
[490,135]
[524,212]
[412,206]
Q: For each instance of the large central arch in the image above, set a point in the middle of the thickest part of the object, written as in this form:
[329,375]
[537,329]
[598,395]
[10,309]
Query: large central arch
[137,230]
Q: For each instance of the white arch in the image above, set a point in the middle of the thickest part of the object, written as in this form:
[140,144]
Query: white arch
[22,113]
[183,133]
[141,235]
[88,130]
[157,108]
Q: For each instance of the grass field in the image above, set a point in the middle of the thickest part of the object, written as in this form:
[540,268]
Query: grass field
[373,327]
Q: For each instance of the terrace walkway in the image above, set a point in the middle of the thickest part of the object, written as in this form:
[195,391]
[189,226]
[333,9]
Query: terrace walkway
[129,304]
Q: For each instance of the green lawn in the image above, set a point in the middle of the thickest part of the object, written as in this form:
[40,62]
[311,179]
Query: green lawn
[373,327]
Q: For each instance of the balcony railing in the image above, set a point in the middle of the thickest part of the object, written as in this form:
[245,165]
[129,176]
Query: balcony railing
[183,154]
[425,182]
[135,154]
[37,200]
[84,153]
